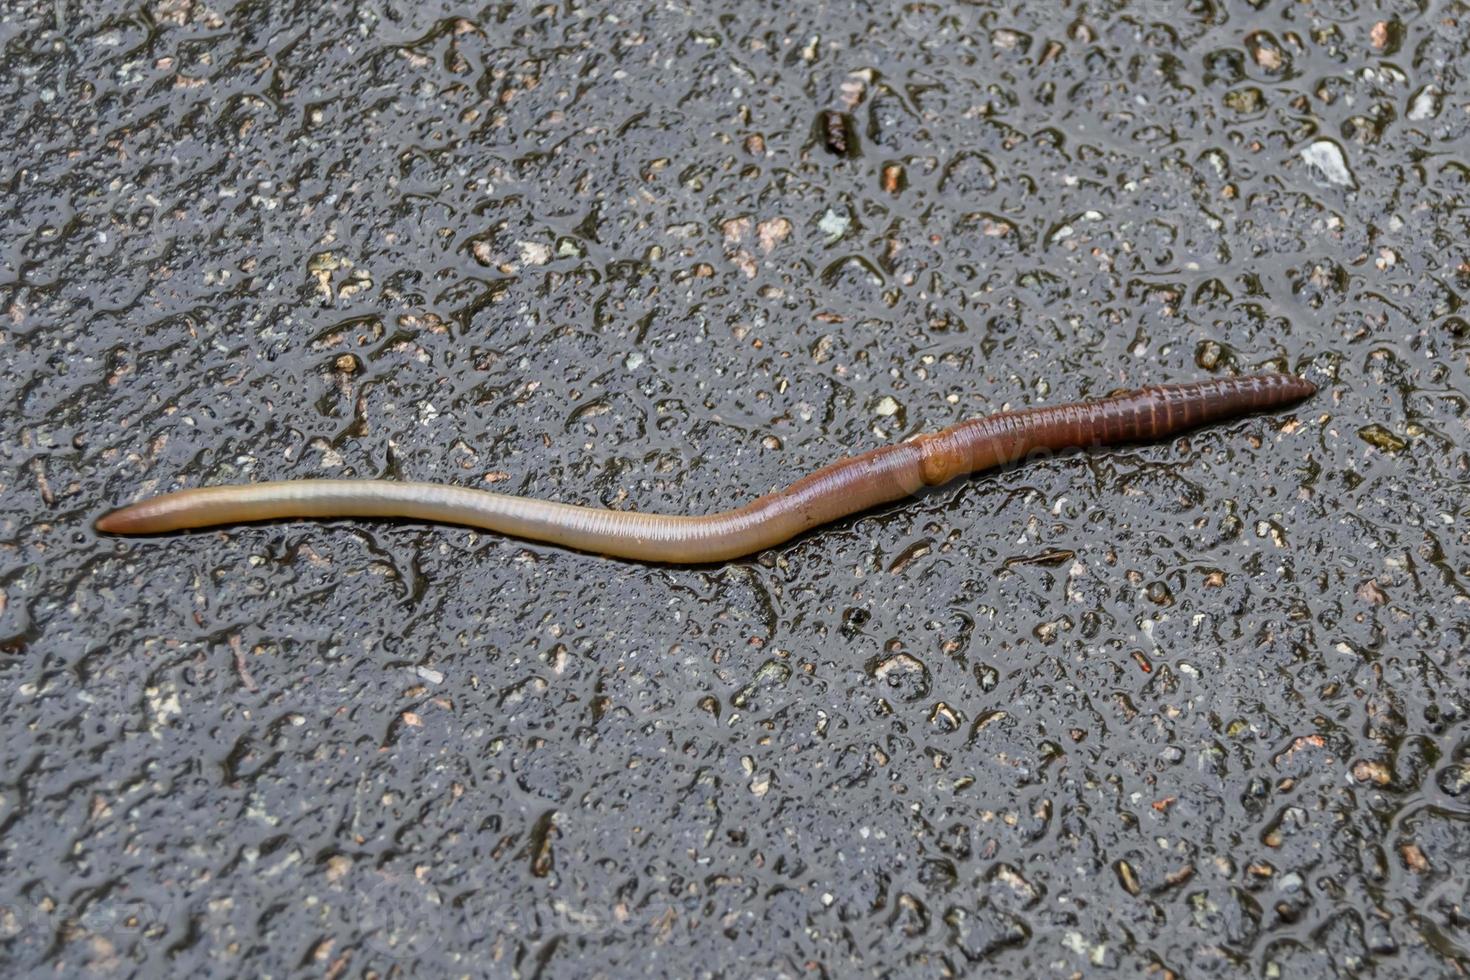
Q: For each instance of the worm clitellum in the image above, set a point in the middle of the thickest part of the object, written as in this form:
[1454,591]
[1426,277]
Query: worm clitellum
[832,492]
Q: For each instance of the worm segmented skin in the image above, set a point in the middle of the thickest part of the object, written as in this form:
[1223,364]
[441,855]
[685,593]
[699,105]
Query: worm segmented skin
[846,487]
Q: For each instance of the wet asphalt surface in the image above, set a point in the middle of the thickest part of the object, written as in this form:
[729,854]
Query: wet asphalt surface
[1195,708]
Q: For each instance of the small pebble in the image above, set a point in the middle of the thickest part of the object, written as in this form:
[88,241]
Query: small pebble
[1454,780]
[1379,437]
[1425,104]
[1326,157]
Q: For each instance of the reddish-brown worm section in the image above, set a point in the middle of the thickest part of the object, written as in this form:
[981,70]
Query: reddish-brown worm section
[842,488]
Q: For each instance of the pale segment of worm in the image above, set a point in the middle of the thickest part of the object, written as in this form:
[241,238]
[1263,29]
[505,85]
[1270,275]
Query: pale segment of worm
[832,492]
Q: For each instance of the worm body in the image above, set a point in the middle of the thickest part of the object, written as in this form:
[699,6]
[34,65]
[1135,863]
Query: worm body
[838,490]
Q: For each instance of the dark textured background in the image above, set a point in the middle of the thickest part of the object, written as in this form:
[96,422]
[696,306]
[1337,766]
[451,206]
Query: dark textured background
[1196,707]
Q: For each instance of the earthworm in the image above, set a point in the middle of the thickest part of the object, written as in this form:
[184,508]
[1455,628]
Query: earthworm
[832,492]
